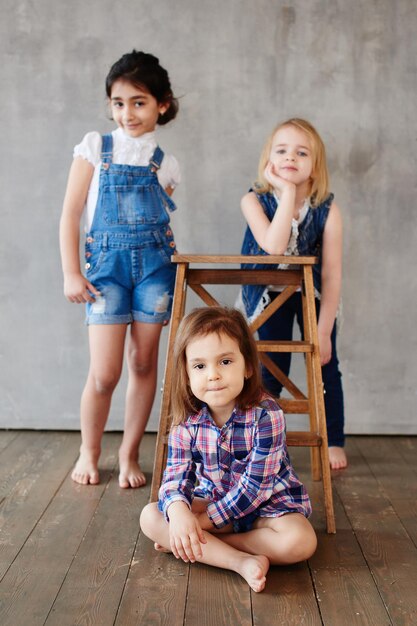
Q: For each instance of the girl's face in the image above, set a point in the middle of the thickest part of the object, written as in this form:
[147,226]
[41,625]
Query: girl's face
[291,155]
[216,371]
[134,110]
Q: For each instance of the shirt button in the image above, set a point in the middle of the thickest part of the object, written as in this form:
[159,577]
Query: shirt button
[172,244]
[87,266]
[89,240]
[168,233]
[87,255]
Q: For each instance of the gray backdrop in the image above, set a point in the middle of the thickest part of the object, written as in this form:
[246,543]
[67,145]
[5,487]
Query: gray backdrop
[238,66]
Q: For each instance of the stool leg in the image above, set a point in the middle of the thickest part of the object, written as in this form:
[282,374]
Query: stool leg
[318,400]
[161,449]
[309,320]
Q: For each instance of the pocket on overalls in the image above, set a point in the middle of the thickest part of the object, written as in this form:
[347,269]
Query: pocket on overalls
[94,257]
[135,204]
[165,247]
[156,204]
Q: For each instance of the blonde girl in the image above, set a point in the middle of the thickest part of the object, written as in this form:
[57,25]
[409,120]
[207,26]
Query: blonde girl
[229,495]
[291,211]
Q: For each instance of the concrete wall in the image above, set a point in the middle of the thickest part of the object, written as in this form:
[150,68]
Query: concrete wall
[239,67]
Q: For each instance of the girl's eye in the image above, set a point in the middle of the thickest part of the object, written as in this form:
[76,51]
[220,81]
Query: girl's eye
[139,104]
[280,151]
[226,361]
[301,153]
[198,366]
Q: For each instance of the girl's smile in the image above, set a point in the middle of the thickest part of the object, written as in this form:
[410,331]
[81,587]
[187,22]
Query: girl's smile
[216,370]
[134,110]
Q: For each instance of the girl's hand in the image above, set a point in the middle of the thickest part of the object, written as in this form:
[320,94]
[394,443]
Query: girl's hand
[325,346]
[185,533]
[77,289]
[279,183]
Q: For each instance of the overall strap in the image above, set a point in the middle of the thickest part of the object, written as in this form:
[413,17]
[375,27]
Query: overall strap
[156,159]
[107,148]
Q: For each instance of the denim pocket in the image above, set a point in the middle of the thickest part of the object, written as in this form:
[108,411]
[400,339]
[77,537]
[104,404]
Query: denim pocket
[94,257]
[135,204]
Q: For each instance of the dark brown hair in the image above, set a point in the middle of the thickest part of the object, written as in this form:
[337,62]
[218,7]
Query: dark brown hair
[143,70]
[201,322]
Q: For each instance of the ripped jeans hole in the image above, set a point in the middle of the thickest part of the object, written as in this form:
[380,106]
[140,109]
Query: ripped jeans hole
[99,305]
[162,303]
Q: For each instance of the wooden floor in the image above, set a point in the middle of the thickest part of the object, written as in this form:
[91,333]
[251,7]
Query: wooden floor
[75,555]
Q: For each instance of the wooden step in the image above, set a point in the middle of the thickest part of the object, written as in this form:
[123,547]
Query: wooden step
[284,346]
[301,438]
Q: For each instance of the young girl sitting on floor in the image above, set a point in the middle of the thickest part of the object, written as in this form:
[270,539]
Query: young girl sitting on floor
[229,495]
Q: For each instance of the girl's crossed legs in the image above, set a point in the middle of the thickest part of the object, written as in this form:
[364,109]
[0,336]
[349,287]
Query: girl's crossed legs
[279,540]
[107,343]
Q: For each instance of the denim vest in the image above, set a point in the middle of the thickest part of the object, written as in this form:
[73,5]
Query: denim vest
[309,242]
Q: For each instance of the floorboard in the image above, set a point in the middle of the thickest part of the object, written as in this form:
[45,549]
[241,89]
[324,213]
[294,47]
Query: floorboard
[75,555]
[387,547]
[217,597]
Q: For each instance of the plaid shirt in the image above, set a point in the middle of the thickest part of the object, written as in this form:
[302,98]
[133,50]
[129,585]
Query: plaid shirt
[242,468]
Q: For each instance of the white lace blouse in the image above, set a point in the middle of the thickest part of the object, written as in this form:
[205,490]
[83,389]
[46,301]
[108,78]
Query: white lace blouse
[127,151]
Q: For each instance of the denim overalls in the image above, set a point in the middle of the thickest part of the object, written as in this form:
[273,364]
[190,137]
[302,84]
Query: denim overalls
[280,325]
[130,243]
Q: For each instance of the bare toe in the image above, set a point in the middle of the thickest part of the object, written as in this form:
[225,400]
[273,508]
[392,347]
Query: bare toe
[131,475]
[160,548]
[254,570]
[337,458]
[85,471]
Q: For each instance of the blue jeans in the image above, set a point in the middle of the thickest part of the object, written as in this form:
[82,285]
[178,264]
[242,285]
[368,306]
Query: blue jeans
[280,327]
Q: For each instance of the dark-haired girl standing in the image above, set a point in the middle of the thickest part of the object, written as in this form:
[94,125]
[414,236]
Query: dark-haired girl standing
[121,185]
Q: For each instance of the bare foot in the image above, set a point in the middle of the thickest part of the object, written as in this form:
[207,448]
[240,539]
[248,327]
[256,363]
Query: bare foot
[253,569]
[131,475]
[85,471]
[337,458]
[160,548]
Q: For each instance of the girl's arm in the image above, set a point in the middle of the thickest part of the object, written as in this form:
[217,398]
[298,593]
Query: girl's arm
[179,476]
[76,286]
[273,237]
[331,280]
[175,496]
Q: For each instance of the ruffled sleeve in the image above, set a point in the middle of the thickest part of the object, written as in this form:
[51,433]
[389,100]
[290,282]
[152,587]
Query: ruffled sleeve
[170,172]
[89,148]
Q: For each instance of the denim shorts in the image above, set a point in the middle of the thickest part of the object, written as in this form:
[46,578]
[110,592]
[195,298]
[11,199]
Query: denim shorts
[134,275]
[243,524]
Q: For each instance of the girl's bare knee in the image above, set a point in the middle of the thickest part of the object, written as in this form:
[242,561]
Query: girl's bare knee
[105,384]
[148,519]
[296,538]
[308,545]
[138,364]
[302,543]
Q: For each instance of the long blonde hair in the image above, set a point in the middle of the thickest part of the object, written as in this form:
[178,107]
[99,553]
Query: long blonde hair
[319,190]
[199,323]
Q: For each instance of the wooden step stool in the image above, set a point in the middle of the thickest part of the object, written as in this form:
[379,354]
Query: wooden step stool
[312,403]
